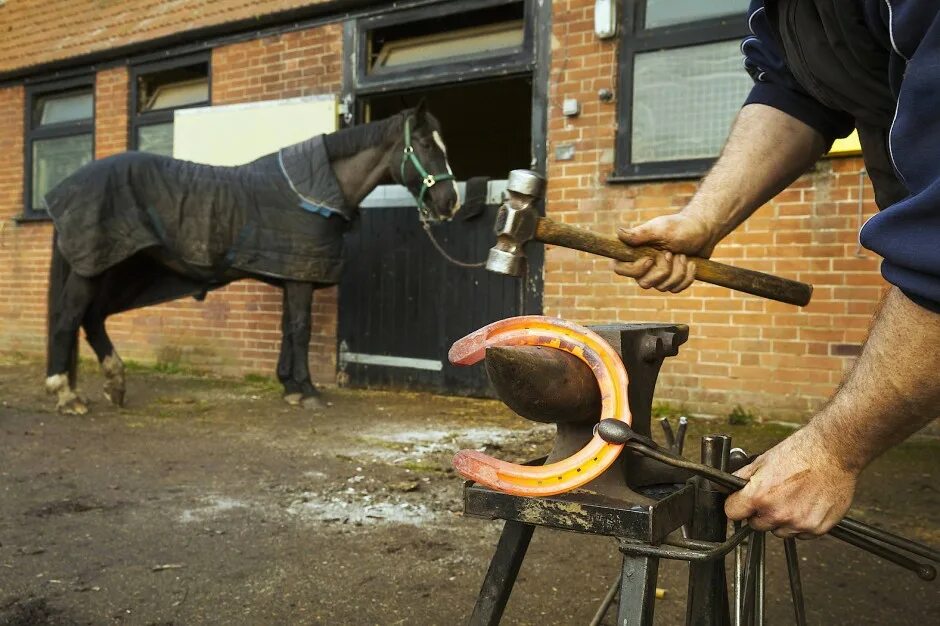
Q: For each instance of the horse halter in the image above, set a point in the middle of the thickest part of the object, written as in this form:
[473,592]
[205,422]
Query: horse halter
[427,180]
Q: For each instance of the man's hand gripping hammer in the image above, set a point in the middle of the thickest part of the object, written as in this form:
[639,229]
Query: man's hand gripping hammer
[518,222]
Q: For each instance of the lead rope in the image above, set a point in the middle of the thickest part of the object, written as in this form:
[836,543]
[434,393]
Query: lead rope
[426,225]
[427,181]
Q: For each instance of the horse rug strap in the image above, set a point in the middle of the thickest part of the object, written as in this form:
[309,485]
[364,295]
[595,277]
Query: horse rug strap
[208,219]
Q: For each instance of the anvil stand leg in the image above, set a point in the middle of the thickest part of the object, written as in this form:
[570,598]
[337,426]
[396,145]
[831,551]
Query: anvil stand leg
[501,575]
[707,603]
[637,591]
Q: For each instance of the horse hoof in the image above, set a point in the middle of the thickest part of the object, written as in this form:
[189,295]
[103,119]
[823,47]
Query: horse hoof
[293,399]
[114,396]
[72,405]
[114,392]
[313,403]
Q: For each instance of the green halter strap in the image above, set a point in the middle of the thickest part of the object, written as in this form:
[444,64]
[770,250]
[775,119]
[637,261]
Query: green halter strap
[427,180]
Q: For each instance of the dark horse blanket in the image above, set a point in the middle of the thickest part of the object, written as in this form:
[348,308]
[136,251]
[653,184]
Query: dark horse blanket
[281,216]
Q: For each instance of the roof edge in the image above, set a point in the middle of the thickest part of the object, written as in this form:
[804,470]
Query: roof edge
[331,10]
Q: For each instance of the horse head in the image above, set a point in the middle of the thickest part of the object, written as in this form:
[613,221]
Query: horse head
[422,165]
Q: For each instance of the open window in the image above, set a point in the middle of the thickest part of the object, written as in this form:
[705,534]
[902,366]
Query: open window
[681,85]
[60,137]
[472,62]
[487,125]
[157,91]
[434,44]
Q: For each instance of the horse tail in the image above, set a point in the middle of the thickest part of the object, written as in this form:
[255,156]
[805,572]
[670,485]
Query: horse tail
[59,271]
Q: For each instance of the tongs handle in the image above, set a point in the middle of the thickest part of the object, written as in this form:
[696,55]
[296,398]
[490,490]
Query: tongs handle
[879,542]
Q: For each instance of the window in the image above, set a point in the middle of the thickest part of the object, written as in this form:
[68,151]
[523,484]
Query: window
[682,81]
[430,45]
[157,90]
[60,129]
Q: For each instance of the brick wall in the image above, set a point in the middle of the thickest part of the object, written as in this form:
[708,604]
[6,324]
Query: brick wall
[24,250]
[774,358]
[38,32]
[777,359]
[236,330]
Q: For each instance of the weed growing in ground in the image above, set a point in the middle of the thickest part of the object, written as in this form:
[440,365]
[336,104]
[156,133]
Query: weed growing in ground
[665,409]
[739,416]
[262,382]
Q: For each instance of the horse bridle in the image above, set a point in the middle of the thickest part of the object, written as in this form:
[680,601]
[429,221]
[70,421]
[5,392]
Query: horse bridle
[427,180]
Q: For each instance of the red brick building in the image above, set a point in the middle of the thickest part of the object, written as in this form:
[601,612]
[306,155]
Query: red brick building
[622,125]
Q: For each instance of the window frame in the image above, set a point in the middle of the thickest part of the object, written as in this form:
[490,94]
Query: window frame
[467,67]
[59,130]
[636,39]
[137,120]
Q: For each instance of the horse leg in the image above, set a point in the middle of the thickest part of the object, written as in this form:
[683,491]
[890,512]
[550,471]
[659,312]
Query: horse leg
[70,306]
[111,364]
[285,360]
[298,298]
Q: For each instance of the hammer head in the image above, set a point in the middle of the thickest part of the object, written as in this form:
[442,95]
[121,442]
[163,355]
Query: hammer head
[515,223]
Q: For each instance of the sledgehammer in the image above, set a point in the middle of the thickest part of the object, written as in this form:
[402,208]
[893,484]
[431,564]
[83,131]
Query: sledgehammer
[518,223]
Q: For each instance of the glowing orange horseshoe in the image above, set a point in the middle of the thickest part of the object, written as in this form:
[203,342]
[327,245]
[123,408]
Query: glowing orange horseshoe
[590,461]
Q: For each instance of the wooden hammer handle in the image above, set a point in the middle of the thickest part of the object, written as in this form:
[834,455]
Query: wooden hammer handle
[748,281]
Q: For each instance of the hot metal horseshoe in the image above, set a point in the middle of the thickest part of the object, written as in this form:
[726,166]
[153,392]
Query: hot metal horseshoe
[590,461]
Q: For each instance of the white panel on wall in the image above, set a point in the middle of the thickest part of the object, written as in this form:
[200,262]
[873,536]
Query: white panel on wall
[238,133]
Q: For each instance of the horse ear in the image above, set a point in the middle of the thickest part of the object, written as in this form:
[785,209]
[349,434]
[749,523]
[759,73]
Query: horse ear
[421,112]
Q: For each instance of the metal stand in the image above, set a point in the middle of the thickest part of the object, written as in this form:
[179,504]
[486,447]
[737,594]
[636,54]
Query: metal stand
[645,496]
[638,501]
[501,576]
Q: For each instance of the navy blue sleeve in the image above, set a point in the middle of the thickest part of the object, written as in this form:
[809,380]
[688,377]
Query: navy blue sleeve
[775,86]
[907,234]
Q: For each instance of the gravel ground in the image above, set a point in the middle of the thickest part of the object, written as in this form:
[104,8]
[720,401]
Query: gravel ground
[211,502]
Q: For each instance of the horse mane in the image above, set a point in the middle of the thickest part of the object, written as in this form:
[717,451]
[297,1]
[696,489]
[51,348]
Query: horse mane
[347,142]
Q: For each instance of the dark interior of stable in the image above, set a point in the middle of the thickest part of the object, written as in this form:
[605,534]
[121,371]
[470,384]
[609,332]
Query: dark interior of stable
[487,125]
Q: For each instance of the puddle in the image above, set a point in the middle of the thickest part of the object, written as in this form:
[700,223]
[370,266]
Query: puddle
[359,509]
[412,445]
[215,506]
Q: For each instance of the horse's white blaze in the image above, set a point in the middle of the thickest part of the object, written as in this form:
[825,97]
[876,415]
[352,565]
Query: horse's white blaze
[440,144]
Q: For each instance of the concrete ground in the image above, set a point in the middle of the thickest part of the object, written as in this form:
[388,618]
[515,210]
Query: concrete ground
[212,502]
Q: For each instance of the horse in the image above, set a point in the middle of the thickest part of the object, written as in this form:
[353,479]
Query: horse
[138,229]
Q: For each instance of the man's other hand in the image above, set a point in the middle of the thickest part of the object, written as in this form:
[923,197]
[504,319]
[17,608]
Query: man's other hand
[678,236]
[796,488]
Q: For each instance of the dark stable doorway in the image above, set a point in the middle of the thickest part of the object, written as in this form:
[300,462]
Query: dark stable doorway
[402,304]
[487,126]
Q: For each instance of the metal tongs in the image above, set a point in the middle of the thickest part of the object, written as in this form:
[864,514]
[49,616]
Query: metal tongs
[884,544]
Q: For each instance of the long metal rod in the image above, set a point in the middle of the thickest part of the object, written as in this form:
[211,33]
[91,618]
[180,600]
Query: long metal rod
[848,530]
[923,570]
[695,554]
[667,433]
[760,588]
[605,604]
[738,578]
[891,539]
[680,433]
[796,585]
[750,577]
